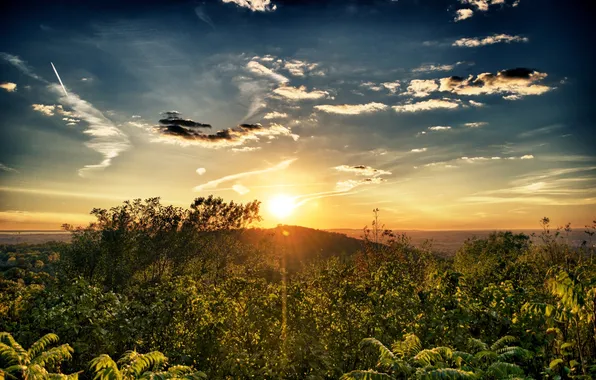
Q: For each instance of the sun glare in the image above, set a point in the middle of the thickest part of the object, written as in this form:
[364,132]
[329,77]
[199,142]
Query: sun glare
[281,206]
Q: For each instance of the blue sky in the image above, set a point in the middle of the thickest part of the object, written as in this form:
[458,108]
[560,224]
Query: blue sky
[443,114]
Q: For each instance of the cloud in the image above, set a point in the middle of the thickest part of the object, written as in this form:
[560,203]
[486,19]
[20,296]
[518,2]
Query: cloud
[512,97]
[5,168]
[519,81]
[462,14]
[429,105]
[352,109]
[490,40]
[203,16]
[174,129]
[526,157]
[214,183]
[21,65]
[106,138]
[300,93]
[439,128]
[476,124]
[246,149]
[201,171]
[344,186]
[418,150]
[259,70]
[371,86]
[275,115]
[436,67]
[391,86]
[254,5]
[240,189]
[47,110]
[299,68]
[420,88]
[8,86]
[362,170]
[476,104]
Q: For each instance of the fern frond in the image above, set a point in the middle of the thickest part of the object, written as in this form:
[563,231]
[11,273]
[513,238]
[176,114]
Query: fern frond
[365,375]
[9,355]
[460,358]
[433,356]
[54,356]
[501,370]
[105,368]
[408,347]
[512,352]
[185,372]
[486,355]
[502,342]
[41,344]
[568,289]
[137,364]
[476,345]
[449,373]
[61,376]
[386,357]
[9,341]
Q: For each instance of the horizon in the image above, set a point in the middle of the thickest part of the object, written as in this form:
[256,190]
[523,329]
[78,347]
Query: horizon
[455,115]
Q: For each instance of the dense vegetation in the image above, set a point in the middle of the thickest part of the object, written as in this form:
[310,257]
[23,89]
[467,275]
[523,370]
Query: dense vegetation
[182,293]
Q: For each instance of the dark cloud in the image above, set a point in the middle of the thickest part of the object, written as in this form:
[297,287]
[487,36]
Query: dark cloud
[174,128]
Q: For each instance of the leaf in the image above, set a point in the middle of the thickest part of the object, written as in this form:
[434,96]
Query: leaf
[365,375]
[553,364]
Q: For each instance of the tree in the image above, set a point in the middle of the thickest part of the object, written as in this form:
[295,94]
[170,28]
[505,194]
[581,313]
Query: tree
[34,363]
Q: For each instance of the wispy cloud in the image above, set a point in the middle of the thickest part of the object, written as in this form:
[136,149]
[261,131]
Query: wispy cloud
[490,40]
[8,86]
[362,170]
[5,168]
[240,189]
[201,171]
[21,65]
[106,138]
[259,70]
[439,128]
[418,150]
[352,109]
[480,6]
[427,68]
[299,68]
[420,88]
[214,183]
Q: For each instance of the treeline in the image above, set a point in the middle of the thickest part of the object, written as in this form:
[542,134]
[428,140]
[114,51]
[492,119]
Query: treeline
[179,293]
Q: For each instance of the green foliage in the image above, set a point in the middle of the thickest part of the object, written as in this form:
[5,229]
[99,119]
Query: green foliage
[193,286]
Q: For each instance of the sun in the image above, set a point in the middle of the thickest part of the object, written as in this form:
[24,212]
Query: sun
[281,206]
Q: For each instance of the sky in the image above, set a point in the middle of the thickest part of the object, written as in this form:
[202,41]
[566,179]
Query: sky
[444,114]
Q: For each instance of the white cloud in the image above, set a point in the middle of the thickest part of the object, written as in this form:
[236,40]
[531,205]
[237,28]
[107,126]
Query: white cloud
[254,5]
[527,157]
[299,68]
[429,105]
[490,40]
[275,115]
[439,128]
[8,86]
[344,186]
[213,184]
[418,150]
[476,124]
[201,171]
[362,170]
[462,14]
[47,110]
[420,88]
[476,104]
[512,97]
[391,86]
[372,86]
[246,149]
[259,70]
[240,189]
[300,93]
[352,109]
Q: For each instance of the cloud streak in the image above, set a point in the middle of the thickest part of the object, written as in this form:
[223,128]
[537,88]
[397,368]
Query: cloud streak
[214,183]
[352,109]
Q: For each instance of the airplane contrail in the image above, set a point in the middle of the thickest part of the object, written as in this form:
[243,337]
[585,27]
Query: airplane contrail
[60,80]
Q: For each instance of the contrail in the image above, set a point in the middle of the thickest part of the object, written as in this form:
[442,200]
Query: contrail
[60,80]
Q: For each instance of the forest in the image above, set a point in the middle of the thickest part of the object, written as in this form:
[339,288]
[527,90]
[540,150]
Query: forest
[152,291]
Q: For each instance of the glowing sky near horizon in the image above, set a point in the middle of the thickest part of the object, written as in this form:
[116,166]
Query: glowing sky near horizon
[448,114]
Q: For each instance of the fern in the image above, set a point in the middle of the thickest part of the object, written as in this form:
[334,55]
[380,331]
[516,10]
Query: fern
[408,347]
[448,373]
[365,375]
[501,370]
